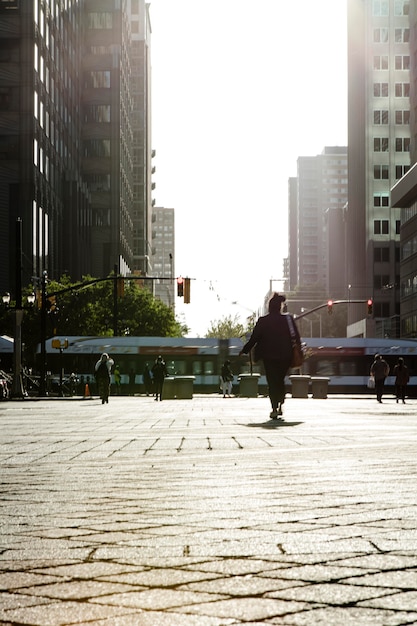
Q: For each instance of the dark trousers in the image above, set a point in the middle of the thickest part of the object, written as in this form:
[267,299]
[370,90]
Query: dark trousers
[379,387]
[159,385]
[400,391]
[275,372]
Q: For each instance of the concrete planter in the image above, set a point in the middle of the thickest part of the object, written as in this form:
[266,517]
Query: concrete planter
[299,386]
[320,385]
[248,385]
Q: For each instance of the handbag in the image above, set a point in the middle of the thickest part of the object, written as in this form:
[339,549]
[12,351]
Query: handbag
[371,382]
[297,350]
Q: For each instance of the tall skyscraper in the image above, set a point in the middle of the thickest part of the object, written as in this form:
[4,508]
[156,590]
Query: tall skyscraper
[75,147]
[317,194]
[163,253]
[378,156]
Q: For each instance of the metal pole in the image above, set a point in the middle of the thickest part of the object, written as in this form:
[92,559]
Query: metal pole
[115,301]
[17,386]
[42,380]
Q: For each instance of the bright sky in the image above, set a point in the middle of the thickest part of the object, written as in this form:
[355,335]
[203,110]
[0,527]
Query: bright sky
[240,90]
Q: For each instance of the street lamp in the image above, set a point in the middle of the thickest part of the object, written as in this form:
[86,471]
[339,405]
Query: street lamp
[17,390]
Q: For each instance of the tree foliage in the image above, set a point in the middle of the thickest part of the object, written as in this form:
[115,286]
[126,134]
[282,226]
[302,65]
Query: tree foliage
[89,310]
[226,328]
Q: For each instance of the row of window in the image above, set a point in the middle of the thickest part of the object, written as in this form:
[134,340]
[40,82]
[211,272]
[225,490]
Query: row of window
[409,248]
[382,117]
[409,286]
[381,227]
[401,35]
[380,8]
[381,172]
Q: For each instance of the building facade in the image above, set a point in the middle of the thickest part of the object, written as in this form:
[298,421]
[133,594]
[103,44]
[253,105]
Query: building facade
[378,156]
[163,254]
[75,161]
[319,194]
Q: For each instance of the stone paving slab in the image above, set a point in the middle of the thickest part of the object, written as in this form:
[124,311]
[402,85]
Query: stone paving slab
[204,512]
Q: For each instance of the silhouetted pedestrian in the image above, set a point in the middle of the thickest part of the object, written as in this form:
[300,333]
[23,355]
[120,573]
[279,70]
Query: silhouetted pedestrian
[379,370]
[401,379]
[159,372]
[271,338]
[102,374]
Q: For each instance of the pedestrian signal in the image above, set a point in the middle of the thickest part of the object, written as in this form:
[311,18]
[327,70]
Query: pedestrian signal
[180,287]
[187,294]
[330,307]
[369,305]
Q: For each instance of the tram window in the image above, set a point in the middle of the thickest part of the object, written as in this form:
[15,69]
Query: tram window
[197,368]
[348,368]
[326,368]
[208,367]
[176,368]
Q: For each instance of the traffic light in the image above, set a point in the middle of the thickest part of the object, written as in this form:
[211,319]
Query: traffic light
[180,287]
[330,307]
[187,294]
[370,305]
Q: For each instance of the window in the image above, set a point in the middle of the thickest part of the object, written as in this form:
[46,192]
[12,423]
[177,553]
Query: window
[381,255]
[402,90]
[381,144]
[402,62]
[397,227]
[402,117]
[381,90]
[100,20]
[381,62]
[381,199]
[380,8]
[402,7]
[381,35]
[381,172]
[381,227]
[381,280]
[381,309]
[381,117]
[402,144]
[97,79]
[400,170]
[402,35]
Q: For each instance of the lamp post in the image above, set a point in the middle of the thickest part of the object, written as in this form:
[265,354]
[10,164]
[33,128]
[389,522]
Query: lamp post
[17,386]
[17,391]
[42,379]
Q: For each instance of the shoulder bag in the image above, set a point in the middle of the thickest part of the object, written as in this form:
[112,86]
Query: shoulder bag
[297,351]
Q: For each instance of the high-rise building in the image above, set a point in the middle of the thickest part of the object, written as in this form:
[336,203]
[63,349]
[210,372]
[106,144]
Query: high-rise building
[75,148]
[404,196]
[318,196]
[140,83]
[378,156]
[163,254]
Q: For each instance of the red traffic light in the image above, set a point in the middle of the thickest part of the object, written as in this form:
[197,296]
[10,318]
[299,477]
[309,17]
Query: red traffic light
[330,306]
[180,287]
[369,305]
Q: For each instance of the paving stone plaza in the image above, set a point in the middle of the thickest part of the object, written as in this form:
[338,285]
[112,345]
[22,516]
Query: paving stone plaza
[204,512]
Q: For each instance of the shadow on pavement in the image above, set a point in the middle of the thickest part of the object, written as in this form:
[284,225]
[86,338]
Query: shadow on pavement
[272,424]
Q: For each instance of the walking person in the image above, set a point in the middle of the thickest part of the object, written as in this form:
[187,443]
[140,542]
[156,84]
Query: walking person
[102,373]
[159,373]
[271,338]
[401,379]
[226,378]
[379,370]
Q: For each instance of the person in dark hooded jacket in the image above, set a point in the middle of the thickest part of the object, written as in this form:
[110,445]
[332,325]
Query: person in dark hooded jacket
[271,339]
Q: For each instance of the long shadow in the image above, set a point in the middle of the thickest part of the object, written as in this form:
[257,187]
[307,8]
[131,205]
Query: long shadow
[273,424]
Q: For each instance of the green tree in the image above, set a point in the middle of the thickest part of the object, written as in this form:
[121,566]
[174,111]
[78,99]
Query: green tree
[88,310]
[226,328]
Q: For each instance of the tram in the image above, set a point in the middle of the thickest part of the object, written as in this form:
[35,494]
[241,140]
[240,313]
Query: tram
[345,361]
